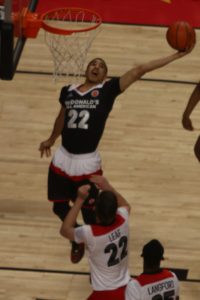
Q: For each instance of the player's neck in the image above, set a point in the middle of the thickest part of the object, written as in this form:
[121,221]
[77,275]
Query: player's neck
[88,85]
[151,270]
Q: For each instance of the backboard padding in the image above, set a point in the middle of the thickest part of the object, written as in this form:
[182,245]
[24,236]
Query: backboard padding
[11,48]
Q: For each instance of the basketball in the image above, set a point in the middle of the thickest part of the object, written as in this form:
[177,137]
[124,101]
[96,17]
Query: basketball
[181,35]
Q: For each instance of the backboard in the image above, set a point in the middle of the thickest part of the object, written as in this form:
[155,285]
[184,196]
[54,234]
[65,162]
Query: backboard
[10,47]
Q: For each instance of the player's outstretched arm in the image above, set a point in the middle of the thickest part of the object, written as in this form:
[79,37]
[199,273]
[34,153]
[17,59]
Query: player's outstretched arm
[45,146]
[137,72]
[67,228]
[193,100]
[103,184]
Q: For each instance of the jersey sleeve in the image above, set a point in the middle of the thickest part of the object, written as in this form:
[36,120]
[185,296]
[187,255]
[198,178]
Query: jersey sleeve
[176,285]
[111,91]
[63,94]
[132,290]
[80,234]
[123,212]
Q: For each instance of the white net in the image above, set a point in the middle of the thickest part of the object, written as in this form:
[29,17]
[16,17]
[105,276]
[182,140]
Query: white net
[69,45]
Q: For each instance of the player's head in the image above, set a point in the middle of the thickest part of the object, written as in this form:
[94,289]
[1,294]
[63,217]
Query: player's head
[96,70]
[152,253]
[106,208]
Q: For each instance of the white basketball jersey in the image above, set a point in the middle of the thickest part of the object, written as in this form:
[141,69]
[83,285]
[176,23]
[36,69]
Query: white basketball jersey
[159,286]
[107,252]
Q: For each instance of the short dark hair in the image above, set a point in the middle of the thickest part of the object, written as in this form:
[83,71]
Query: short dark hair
[106,207]
[153,252]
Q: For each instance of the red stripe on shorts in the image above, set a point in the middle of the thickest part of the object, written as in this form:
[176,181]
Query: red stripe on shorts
[74,178]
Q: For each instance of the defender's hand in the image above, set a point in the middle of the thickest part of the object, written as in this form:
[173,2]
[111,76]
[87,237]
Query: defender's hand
[45,148]
[83,191]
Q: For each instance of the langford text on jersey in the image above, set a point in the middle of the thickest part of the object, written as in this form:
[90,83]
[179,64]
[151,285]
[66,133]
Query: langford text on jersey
[159,287]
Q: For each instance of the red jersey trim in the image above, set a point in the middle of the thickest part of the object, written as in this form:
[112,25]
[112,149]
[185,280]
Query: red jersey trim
[145,279]
[74,178]
[101,230]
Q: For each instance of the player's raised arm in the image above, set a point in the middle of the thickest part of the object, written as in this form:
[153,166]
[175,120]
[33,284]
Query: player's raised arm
[67,227]
[193,100]
[45,146]
[137,72]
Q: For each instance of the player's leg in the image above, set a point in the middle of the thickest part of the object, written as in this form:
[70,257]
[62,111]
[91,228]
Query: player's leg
[61,188]
[65,171]
[88,214]
[61,209]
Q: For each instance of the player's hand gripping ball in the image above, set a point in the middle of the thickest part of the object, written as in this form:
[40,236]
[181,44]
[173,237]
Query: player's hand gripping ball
[181,36]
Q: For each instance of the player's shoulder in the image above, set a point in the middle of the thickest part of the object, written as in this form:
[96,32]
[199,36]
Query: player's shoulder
[83,232]
[149,278]
[169,273]
[111,81]
[133,289]
[64,91]
[174,275]
[121,219]
[123,211]
[66,87]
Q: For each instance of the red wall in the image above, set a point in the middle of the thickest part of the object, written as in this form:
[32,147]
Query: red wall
[150,12]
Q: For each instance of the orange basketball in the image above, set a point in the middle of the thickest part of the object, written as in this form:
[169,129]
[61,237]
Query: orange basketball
[181,35]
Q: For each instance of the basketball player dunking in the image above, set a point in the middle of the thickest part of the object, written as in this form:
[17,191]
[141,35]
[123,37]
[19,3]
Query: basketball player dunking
[81,122]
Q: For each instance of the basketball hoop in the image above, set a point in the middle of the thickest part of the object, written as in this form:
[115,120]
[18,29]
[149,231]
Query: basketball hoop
[69,33]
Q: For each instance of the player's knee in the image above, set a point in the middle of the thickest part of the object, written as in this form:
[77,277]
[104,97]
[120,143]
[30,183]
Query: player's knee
[61,209]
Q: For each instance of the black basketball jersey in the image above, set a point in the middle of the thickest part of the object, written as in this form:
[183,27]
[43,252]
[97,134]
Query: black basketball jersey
[86,115]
